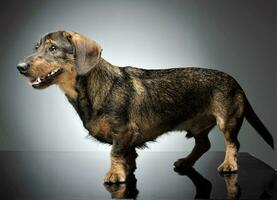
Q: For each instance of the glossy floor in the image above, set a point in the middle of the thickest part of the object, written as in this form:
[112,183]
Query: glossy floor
[79,175]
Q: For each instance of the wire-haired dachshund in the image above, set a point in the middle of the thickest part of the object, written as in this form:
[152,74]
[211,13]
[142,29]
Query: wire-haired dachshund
[127,106]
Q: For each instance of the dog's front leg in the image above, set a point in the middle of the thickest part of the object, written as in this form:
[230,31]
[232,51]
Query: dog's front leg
[123,162]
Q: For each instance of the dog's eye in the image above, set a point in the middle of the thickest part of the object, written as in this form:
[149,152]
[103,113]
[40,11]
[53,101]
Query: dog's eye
[52,48]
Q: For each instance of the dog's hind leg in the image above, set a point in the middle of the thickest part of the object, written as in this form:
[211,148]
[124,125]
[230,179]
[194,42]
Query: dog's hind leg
[230,130]
[202,145]
[229,113]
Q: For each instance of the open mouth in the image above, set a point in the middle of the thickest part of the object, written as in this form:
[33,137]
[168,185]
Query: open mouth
[45,80]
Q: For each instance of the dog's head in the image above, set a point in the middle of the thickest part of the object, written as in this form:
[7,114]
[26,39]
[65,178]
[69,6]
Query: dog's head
[58,56]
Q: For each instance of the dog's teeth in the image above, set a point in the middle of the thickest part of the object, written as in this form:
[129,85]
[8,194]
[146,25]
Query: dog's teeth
[35,83]
[52,73]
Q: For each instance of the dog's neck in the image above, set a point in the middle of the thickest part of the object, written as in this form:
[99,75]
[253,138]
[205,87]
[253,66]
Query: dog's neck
[90,90]
[105,67]
[67,84]
[102,70]
[99,81]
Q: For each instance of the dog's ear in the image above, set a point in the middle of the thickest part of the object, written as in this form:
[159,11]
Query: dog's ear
[87,52]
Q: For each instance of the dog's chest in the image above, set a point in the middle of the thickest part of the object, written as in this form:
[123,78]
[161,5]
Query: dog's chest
[82,106]
[98,126]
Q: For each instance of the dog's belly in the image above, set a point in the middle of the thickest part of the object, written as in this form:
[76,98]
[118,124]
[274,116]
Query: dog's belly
[197,124]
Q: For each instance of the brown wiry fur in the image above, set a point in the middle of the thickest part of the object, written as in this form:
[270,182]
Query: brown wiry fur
[127,107]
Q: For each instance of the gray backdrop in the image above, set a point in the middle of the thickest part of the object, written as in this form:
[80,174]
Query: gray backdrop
[238,37]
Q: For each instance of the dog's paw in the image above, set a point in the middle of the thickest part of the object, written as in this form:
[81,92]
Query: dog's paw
[114,176]
[184,163]
[228,167]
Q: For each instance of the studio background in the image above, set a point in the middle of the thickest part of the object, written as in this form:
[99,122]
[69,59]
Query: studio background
[237,37]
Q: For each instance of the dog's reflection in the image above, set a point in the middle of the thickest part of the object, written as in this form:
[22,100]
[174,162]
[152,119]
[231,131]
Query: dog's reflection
[204,186]
[127,190]
[232,186]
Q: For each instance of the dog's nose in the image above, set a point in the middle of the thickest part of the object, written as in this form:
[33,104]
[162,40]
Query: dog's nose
[22,67]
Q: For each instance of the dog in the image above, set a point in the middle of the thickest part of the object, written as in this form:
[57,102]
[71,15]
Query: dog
[127,106]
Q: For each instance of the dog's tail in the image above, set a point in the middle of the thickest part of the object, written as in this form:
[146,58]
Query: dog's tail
[254,120]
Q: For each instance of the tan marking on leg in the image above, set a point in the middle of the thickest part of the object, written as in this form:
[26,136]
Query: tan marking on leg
[230,130]
[230,161]
[228,111]
[121,167]
[118,172]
